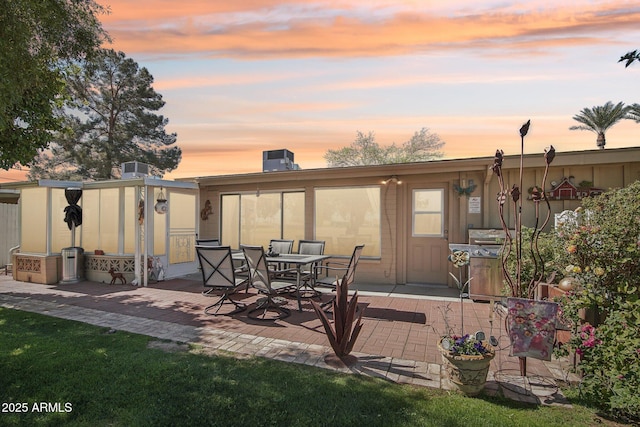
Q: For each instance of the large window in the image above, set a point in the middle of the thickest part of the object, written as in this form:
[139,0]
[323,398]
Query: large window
[182,227]
[346,217]
[34,224]
[428,218]
[101,232]
[255,219]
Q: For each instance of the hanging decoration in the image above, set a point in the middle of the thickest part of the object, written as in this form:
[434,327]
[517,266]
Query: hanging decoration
[206,211]
[141,212]
[464,191]
[161,204]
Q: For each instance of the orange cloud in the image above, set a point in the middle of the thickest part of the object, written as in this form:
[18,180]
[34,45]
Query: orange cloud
[272,29]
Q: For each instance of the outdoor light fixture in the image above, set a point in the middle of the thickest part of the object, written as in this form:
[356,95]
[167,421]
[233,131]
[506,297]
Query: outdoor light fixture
[393,178]
[161,205]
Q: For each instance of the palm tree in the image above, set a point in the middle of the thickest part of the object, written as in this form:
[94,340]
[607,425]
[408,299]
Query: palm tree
[600,118]
[634,112]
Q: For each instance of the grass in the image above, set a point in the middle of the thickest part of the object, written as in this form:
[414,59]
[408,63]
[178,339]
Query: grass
[115,379]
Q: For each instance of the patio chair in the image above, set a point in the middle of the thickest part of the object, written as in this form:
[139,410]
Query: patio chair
[218,274]
[280,246]
[207,242]
[332,273]
[307,247]
[260,278]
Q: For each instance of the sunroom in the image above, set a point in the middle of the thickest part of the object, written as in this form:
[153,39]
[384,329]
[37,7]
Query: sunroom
[142,227]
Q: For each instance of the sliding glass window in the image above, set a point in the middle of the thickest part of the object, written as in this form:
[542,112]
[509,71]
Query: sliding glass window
[255,219]
[346,217]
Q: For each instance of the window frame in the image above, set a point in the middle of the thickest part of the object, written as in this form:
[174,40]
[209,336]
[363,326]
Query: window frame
[415,212]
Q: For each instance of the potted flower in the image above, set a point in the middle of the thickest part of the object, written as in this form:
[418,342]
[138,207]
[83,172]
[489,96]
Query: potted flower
[466,357]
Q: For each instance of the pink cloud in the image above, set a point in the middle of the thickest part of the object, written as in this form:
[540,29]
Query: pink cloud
[249,29]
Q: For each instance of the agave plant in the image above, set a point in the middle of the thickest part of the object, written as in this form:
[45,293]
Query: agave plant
[342,332]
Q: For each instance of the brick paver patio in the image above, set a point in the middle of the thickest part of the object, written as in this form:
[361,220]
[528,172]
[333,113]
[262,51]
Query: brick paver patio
[398,340]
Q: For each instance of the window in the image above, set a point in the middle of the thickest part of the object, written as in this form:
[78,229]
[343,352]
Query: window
[255,219]
[102,233]
[428,217]
[34,224]
[346,217]
[182,227]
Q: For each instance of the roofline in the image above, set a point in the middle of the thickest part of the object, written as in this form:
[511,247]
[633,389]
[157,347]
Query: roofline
[111,183]
[570,158]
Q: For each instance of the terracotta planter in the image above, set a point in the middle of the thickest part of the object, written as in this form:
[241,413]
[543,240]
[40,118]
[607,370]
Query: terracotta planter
[468,373]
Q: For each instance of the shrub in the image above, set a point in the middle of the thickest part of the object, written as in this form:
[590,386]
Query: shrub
[537,262]
[602,250]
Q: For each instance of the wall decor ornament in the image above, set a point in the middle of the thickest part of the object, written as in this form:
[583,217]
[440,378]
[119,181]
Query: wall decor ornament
[161,204]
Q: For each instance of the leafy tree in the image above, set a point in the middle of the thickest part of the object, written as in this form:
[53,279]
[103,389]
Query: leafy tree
[112,120]
[37,39]
[599,119]
[422,146]
[630,58]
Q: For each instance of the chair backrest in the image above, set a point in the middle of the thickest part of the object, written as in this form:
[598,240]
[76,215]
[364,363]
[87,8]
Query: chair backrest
[258,270]
[281,246]
[350,275]
[216,264]
[311,247]
[208,242]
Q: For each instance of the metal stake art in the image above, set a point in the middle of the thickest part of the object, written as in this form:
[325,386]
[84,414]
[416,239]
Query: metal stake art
[517,288]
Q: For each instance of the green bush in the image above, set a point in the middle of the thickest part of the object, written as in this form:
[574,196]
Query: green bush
[602,250]
[537,262]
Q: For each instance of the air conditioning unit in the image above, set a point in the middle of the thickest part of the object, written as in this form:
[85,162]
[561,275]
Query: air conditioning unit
[134,170]
[278,160]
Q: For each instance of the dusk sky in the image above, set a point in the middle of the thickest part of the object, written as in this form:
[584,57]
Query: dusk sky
[244,76]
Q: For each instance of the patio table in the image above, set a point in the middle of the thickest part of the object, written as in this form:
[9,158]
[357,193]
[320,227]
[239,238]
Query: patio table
[298,260]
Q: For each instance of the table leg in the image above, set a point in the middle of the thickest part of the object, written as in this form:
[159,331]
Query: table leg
[298,287]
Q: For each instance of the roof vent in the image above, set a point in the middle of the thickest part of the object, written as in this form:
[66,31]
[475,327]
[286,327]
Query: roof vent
[134,170]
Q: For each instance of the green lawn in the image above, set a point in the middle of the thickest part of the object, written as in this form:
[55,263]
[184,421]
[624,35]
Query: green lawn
[68,373]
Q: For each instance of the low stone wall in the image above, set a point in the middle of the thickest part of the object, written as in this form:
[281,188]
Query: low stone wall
[97,267]
[37,268]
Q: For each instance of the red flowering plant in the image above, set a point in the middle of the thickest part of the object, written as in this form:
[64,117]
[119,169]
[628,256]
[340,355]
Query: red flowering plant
[588,340]
[600,249]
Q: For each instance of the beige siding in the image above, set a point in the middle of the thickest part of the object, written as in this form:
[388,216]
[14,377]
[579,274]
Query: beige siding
[9,236]
[604,168]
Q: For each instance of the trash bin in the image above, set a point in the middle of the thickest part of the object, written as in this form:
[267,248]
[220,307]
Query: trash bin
[72,264]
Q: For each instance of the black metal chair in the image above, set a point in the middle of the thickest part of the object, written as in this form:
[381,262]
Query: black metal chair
[308,247]
[260,277]
[346,271]
[218,274]
[207,242]
[281,246]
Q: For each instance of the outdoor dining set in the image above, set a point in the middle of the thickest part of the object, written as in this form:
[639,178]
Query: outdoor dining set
[273,273]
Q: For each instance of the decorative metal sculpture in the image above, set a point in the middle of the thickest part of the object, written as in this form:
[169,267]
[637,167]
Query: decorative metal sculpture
[516,287]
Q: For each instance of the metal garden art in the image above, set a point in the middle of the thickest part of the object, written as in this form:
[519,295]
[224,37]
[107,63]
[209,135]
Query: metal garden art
[466,357]
[536,330]
[342,332]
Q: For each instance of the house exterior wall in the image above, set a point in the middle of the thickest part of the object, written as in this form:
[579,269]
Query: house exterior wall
[9,235]
[604,168]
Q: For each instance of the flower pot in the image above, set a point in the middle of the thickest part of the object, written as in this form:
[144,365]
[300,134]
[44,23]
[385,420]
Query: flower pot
[468,373]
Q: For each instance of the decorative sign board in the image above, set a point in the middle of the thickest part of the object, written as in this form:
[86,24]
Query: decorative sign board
[475,203]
